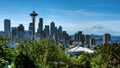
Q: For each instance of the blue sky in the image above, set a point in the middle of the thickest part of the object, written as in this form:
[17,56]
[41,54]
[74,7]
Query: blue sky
[73,15]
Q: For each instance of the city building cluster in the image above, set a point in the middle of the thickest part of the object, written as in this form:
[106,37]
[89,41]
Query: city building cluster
[19,33]
[50,31]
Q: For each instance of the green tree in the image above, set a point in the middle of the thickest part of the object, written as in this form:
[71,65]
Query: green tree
[23,61]
[97,59]
[107,56]
[36,50]
[85,59]
[74,62]
[56,57]
[111,55]
[6,54]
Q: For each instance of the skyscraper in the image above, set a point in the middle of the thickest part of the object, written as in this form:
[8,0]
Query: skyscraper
[81,37]
[106,38]
[60,29]
[52,28]
[30,26]
[76,37]
[46,30]
[13,34]
[55,30]
[30,29]
[40,28]
[80,32]
[20,32]
[40,25]
[92,41]
[65,38]
[7,26]
[87,39]
[60,32]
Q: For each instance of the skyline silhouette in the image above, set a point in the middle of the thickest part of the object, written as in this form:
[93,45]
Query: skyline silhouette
[79,15]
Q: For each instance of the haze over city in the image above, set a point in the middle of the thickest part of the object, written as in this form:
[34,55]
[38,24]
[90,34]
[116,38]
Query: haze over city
[59,34]
[72,15]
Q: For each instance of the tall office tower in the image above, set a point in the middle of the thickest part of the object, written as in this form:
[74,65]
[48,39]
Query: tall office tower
[56,30]
[30,29]
[33,15]
[60,29]
[92,41]
[87,39]
[76,37]
[20,32]
[79,35]
[60,32]
[46,30]
[13,34]
[65,38]
[7,26]
[52,28]
[40,25]
[82,39]
[40,28]
[65,35]
[80,32]
[106,38]
[30,26]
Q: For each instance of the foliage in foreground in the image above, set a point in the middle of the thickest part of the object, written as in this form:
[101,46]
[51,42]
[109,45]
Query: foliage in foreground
[7,55]
[45,54]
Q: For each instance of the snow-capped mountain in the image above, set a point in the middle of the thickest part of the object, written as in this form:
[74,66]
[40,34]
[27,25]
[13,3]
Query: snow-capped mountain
[100,30]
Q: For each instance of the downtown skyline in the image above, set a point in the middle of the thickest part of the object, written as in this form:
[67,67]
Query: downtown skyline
[78,15]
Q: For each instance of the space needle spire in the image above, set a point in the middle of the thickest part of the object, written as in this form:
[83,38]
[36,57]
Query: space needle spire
[33,15]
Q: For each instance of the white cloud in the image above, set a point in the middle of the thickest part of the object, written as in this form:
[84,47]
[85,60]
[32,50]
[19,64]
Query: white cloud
[73,28]
[83,12]
[51,16]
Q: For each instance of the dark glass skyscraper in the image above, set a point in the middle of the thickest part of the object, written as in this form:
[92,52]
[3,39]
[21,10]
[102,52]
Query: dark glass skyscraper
[92,41]
[7,26]
[40,28]
[30,29]
[30,26]
[13,34]
[20,32]
[52,28]
[87,39]
[46,30]
[60,32]
[40,25]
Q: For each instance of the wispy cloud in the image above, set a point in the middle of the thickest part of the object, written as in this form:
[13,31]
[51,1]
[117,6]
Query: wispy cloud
[72,28]
[51,16]
[83,12]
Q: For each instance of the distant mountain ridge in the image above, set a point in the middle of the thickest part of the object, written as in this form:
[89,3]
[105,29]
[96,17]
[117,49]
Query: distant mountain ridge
[100,30]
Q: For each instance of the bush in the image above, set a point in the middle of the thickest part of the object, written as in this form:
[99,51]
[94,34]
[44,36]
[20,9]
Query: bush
[23,61]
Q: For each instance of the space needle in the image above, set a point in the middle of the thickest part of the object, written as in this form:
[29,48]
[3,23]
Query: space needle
[33,15]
